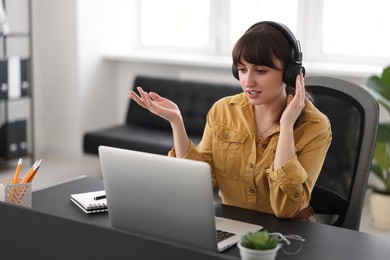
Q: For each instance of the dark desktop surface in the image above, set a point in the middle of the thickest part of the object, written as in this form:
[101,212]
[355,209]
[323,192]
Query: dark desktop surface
[56,227]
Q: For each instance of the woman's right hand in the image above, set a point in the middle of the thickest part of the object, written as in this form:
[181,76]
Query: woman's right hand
[156,104]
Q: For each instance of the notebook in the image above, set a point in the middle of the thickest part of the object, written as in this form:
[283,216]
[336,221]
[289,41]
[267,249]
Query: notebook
[90,202]
[165,197]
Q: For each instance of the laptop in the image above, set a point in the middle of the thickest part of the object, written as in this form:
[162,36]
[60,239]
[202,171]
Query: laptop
[165,197]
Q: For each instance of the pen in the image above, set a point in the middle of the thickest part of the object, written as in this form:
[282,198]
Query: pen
[100,197]
[16,176]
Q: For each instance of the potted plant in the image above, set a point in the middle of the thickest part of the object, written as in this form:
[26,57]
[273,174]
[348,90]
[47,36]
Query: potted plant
[258,245]
[380,197]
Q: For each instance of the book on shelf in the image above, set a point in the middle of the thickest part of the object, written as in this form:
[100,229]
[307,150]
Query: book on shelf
[90,202]
[4,26]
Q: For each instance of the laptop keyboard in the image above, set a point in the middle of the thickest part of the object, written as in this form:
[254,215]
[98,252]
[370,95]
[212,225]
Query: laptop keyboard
[222,235]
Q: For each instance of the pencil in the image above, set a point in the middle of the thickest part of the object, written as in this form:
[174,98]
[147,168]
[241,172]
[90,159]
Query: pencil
[31,177]
[18,167]
[29,173]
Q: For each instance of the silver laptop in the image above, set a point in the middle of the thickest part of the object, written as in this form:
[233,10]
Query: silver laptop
[165,197]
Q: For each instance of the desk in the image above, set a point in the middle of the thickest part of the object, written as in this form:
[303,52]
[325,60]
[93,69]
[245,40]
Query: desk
[71,233]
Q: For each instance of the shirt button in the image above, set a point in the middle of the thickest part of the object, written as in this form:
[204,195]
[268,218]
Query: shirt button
[250,165]
[264,146]
[251,190]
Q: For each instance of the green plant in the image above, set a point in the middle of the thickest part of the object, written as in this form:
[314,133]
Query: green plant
[380,88]
[260,240]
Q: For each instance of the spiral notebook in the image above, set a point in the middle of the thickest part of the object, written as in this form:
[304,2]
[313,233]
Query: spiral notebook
[90,202]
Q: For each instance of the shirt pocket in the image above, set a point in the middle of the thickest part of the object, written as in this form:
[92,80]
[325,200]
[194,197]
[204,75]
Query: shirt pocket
[227,151]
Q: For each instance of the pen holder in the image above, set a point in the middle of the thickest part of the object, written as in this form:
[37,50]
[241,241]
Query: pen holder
[17,194]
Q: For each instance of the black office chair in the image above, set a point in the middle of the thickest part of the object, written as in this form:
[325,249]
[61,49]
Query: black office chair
[338,196]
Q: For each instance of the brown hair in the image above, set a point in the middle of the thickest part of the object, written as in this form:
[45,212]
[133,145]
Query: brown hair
[260,44]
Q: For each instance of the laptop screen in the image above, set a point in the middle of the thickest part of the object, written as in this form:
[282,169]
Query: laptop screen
[160,196]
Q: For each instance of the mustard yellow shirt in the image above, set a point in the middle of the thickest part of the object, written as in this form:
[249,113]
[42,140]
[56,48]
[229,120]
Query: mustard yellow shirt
[242,167]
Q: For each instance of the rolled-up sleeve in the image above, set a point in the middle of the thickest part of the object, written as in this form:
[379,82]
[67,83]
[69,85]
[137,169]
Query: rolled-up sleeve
[291,185]
[192,153]
[289,178]
[201,153]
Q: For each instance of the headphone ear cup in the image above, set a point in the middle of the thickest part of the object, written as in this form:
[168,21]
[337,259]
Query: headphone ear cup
[235,72]
[290,72]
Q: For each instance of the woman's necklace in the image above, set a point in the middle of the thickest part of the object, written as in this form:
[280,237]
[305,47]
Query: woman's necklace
[261,134]
[268,128]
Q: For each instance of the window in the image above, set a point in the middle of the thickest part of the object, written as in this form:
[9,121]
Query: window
[244,14]
[356,28]
[181,24]
[207,25]
[329,30]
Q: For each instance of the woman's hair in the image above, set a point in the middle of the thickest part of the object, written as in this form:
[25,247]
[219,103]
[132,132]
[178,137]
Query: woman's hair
[260,45]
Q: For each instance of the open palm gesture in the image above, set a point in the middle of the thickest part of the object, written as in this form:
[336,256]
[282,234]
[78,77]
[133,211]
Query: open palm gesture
[156,104]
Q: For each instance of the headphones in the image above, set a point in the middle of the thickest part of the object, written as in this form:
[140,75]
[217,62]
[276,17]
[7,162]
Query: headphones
[291,69]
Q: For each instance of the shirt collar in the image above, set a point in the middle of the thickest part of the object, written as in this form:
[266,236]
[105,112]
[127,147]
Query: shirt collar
[239,99]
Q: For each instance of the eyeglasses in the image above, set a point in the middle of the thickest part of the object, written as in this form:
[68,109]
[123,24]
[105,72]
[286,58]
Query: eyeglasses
[290,244]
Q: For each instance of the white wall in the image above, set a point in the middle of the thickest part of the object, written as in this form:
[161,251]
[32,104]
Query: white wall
[55,74]
[74,89]
[97,82]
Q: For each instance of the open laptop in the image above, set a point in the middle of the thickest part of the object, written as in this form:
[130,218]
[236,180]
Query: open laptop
[165,197]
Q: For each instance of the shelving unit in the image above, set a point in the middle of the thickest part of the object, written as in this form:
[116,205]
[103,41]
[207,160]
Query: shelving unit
[16,84]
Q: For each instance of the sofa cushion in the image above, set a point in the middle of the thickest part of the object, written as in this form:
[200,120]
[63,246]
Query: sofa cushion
[132,137]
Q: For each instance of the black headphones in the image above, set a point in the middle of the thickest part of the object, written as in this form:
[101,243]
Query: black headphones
[292,69]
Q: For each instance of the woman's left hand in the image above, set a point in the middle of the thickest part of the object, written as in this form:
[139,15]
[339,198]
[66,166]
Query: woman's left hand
[295,104]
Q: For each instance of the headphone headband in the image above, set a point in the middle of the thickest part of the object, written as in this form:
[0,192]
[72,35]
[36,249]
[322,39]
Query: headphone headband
[297,55]
[291,69]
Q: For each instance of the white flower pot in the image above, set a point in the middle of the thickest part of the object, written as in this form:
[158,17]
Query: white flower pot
[251,254]
[380,210]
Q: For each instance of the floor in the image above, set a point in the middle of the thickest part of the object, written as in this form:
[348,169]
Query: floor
[55,170]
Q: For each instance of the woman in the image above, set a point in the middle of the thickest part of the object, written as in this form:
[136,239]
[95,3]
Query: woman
[265,146]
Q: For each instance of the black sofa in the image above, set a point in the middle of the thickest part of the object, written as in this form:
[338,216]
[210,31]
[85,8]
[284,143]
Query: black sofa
[146,132]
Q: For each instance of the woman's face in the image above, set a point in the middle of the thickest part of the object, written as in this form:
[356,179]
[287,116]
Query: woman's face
[262,85]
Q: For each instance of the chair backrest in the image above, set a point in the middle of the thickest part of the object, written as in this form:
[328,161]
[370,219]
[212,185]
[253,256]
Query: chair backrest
[353,113]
